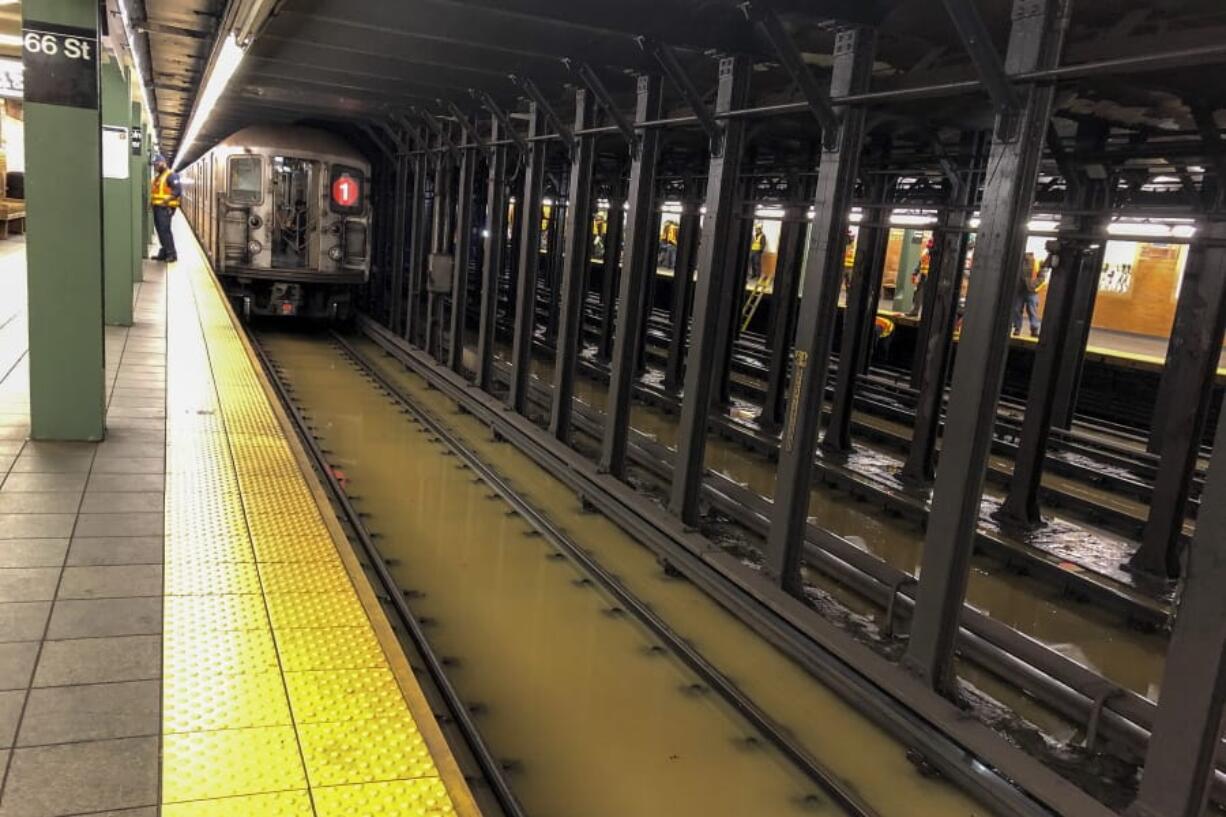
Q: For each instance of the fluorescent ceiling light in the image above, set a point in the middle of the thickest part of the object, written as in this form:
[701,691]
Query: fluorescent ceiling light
[140,70]
[228,59]
[911,220]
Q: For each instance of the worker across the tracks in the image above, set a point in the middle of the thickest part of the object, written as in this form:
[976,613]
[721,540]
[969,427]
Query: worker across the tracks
[164,197]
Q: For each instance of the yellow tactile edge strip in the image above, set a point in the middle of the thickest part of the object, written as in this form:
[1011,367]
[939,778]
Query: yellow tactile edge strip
[285,689]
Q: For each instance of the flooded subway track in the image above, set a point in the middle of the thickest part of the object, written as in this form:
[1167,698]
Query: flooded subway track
[1093,638]
[577,698]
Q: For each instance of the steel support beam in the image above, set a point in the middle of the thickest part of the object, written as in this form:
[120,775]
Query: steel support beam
[575,271]
[790,57]
[1035,42]
[712,318]
[528,222]
[641,246]
[859,316]
[494,256]
[64,239]
[1185,740]
[1187,380]
[823,278]
[784,306]
[978,42]
[1096,190]
[1021,505]
[944,287]
[419,248]
[688,229]
[463,249]
[610,275]
[400,215]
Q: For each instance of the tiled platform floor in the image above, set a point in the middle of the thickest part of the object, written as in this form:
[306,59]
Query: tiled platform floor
[179,632]
[81,581]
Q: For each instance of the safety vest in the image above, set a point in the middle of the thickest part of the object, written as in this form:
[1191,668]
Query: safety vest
[759,242]
[162,195]
[884,325]
[670,232]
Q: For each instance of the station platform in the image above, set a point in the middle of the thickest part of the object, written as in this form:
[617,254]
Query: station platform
[184,630]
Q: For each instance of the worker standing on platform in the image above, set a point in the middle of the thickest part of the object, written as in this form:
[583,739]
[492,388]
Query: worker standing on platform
[164,198]
[668,244]
[1030,283]
[756,248]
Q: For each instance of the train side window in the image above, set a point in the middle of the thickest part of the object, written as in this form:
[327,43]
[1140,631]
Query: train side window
[347,190]
[245,180]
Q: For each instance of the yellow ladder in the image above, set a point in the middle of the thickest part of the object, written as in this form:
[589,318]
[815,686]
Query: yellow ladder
[751,303]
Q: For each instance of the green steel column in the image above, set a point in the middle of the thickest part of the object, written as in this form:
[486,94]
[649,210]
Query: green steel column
[116,195]
[137,187]
[64,206]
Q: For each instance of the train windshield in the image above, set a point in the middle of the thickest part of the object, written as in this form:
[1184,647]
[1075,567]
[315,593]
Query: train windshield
[245,180]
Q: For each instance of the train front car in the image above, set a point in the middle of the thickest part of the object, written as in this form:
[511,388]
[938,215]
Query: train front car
[285,218]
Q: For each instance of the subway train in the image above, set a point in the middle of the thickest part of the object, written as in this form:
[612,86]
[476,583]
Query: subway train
[284,216]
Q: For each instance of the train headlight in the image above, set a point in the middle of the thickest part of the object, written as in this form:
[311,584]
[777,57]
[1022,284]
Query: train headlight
[254,247]
[255,221]
[335,253]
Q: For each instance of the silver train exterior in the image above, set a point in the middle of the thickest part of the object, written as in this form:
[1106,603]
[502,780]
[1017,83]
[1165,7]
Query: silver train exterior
[284,215]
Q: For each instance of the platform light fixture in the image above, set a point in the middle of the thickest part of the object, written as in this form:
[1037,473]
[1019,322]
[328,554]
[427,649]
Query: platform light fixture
[227,62]
[130,33]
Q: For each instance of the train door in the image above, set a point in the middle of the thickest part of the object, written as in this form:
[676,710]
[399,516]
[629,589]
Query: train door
[295,212]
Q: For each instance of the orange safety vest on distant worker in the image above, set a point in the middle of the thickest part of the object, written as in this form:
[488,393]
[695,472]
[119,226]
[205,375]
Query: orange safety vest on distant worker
[884,325]
[162,195]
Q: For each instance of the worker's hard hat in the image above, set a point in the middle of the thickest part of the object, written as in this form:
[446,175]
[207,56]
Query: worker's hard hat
[159,158]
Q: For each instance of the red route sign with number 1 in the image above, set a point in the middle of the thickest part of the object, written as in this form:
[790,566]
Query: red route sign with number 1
[345,190]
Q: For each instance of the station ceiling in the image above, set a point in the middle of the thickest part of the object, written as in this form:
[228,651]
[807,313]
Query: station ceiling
[338,60]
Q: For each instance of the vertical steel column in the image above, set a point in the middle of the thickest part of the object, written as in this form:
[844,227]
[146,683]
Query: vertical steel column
[1191,365]
[495,255]
[1078,260]
[574,271]
[463,249]
[1187,729]
[553,271]
[64,277]
[641,248]
[610,274]
[528,218]
[400,209]
[649,299]
[736,300]
[823,278]
[784,302]
[1091,137]
[683,292]
[859,317]
[1035,42]
[418,244]
[117,266]
[441,237]
[945,271]
[1021,505]
[717,252]
[1084,297]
